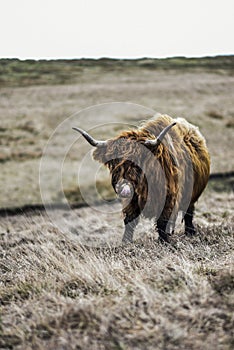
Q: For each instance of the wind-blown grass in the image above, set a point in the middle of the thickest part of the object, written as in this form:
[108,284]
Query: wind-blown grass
[57,294]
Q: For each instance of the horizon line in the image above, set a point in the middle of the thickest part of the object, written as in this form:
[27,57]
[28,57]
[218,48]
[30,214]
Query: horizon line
[52,58]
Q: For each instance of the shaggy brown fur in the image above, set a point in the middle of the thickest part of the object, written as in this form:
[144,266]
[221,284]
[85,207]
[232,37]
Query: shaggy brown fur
[164,179]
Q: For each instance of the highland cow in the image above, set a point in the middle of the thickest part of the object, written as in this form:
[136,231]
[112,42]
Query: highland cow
[157,170]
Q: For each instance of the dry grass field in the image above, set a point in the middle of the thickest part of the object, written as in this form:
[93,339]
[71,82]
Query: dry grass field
[76,289]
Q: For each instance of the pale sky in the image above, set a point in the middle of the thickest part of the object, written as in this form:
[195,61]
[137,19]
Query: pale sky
[118,29]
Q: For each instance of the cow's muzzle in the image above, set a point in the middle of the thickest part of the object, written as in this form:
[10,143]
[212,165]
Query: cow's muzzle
[124,189]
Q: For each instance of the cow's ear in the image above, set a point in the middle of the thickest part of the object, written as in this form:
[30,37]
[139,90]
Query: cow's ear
[155,142]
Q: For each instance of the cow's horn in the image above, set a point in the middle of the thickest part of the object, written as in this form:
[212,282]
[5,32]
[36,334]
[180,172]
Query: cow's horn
[160,137]
[90,139]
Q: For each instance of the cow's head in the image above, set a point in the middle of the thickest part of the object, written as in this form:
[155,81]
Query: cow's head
[126,157]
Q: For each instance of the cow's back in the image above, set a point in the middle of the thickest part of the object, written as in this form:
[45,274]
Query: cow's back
[196,147]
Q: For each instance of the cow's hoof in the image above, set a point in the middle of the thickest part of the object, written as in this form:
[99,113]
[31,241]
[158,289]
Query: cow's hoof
[126,241]
[164,239]
[190,231]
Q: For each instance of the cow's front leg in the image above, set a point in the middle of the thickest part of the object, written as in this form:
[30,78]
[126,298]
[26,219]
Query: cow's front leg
[131,213]
[130,224]
[161,225]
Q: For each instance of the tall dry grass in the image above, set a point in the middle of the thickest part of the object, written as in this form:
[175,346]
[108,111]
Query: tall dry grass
[58,294]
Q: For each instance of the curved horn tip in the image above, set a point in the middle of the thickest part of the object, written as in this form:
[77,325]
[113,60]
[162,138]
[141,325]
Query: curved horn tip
[159,139]
[76,129]
[164,132]
[89,138]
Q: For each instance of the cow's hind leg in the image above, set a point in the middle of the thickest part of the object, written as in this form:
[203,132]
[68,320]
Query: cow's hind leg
[188,221]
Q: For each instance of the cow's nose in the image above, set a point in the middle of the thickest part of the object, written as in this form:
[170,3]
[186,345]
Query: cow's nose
[124,189]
